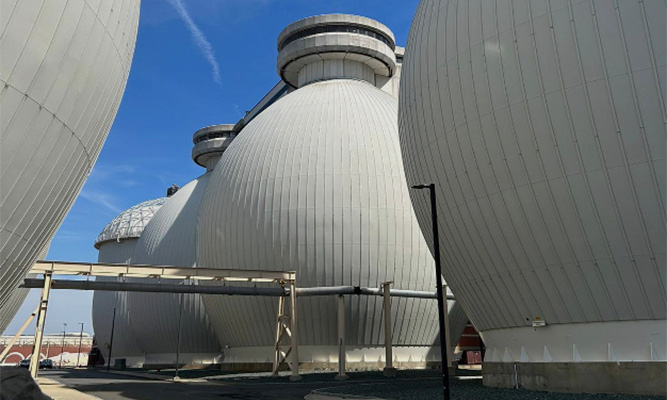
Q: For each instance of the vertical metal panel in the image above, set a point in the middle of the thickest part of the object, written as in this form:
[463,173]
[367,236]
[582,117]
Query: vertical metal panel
[11,307]
[62,76]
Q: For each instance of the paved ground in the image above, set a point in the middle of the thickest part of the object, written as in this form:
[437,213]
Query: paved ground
[111,386]
[411,385]
[57,391]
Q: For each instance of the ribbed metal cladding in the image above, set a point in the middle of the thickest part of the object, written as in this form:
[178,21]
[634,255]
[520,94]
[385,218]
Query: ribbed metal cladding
[543,125]
[16,299]
[62,75]
[170,239]
[124,342]
[11,307]
[315,184]
[457,322]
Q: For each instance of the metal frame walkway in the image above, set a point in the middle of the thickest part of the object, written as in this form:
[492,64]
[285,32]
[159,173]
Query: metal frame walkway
[286,342]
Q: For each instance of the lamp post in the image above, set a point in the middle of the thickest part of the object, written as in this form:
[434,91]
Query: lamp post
[78,355]
[441,303]
[113,322]
[62,348]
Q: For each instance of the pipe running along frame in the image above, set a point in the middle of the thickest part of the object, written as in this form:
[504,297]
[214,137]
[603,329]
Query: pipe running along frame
[286,325]
[50,268]
[226,290]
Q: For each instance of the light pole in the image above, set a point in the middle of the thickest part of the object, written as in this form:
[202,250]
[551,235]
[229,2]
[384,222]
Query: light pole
[113,322]
[441,303]
[80,338]
[62,348]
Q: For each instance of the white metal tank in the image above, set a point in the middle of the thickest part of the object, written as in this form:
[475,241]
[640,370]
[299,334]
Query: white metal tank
[116,244]
[171,239]
[15,301]
[63,73]
[542,124]
[315,184]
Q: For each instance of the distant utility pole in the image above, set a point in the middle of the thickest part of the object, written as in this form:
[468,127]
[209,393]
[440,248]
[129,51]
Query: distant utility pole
[62,348]
[113,322]
[80,339]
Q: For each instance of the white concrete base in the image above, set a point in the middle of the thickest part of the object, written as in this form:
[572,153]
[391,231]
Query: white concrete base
[580,377]
[130,361]
[329,355]
[325,358]
[190,359]
[616,341]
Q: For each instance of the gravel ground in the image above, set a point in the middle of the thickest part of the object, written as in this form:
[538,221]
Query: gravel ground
[417,385]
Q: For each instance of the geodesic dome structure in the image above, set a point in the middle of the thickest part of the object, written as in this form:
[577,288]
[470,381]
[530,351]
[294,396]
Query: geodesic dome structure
[130,223]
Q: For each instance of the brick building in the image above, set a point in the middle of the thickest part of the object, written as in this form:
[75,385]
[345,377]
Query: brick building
[52,347]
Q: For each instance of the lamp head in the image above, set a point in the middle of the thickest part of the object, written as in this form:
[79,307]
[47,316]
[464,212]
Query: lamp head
[422,186]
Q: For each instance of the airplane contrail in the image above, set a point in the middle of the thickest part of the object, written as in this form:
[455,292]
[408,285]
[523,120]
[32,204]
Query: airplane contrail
[199,38]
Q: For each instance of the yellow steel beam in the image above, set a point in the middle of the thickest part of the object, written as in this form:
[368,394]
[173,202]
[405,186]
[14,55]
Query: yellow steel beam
[160,272]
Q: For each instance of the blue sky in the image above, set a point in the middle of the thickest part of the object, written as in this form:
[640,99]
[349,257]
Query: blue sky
[204,66]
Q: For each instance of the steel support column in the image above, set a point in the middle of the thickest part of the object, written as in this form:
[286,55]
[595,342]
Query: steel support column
[389,369]
[278,356]
[286,327]
[341,339]
[448,337]
[295,333]
[39,327]
[178,336]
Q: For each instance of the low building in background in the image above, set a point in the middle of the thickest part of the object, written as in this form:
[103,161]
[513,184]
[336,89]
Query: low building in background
[53,345]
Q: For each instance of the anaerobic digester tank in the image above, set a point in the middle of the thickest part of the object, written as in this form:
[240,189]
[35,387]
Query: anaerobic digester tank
[542,124]
[315,183]
[116,244]
[171,239]
[62,76]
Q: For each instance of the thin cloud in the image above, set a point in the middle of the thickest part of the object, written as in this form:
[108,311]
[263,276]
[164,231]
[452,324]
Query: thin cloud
[199,38]
[103,171]
[237,110]
[101,198]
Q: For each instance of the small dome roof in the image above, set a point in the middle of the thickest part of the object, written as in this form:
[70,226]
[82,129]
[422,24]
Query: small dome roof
[130,223]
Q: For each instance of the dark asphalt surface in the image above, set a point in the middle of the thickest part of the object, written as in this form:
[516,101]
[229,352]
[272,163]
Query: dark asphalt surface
[111,386]
[429,389]
[411,385]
